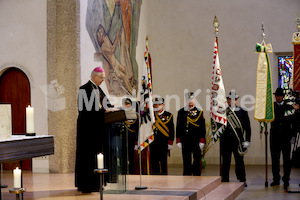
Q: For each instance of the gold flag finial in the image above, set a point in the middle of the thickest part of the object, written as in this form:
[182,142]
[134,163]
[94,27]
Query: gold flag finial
[147,41]
[216,24]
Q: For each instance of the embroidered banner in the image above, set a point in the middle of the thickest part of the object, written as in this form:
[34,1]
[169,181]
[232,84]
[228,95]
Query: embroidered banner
[264,108]
[296,71]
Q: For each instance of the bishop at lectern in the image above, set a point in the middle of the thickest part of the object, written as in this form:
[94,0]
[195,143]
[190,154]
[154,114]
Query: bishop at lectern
[92,103]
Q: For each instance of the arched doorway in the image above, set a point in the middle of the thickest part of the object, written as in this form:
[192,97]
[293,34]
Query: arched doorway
[15,89]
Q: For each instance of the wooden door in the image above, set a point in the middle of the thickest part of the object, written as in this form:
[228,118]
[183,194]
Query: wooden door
[15,89]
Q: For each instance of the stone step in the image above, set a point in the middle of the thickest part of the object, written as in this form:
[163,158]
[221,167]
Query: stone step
[193,187]
[61,187]
[225,191]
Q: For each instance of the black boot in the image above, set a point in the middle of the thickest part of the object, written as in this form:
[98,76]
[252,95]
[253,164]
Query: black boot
[286,185]
[275,183]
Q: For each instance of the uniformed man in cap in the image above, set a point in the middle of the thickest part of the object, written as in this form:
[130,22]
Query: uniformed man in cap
[163,138]
[235,139]
[132,128]
[280,139]
[190,135]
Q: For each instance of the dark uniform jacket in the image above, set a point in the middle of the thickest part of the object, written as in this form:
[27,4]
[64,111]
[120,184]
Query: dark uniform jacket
[282,122]
[164,129]
[163,135]
[245,122]
[190,126]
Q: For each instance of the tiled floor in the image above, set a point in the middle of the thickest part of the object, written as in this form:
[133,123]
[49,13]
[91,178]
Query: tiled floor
[63,184]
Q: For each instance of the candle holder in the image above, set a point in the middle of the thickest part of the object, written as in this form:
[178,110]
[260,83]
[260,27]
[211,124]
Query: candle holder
[17,191]
[29,134]
[101,172]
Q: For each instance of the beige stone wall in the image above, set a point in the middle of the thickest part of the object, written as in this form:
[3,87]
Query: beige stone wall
[23,45]
[63,65]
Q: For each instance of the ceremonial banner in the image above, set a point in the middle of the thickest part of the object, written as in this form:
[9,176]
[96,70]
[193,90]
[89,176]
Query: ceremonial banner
[264,108]
[296,69]
[146,105]
[218,98]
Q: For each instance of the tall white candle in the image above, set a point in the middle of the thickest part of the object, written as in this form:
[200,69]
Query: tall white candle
[100,161]
[17,178]
[29,120]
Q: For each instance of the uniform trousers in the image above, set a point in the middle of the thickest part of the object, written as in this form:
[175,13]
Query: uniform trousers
[278,145]
[229,145]
[190,148]
[158,158]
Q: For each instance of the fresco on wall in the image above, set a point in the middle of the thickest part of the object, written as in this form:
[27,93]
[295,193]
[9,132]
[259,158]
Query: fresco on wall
[113,28]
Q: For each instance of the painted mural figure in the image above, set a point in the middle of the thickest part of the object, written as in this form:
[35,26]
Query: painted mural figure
[112,26]
[116,72]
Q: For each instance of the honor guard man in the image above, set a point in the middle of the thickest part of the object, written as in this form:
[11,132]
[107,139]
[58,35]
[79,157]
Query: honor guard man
[163,138]
[132,128]
[190,135]
[235,139]
[281,135]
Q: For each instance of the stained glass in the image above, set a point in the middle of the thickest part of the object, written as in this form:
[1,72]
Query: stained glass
[285,72]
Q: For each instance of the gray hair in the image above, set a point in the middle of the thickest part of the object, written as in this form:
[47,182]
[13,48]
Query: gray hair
[96,73]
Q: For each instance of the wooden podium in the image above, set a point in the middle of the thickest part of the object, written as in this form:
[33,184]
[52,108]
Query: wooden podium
[119,116]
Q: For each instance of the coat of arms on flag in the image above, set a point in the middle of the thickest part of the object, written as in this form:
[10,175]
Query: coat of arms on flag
[218,98]
[146,105]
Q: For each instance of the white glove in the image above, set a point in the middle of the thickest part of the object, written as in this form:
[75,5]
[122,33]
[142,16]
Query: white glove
[179,145]
[170,147]
[246,144]
[201,145]
[293,140]
[136,147]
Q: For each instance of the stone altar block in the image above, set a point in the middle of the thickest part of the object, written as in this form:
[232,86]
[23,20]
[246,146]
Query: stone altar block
[5,122]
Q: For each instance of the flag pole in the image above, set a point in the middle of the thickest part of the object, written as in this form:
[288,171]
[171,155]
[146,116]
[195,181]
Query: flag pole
[216,24]
[145,110]
[140,165]
[140,157]
[266,150]
[266,124]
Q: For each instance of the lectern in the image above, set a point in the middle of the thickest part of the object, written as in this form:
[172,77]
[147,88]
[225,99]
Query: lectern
[116,158]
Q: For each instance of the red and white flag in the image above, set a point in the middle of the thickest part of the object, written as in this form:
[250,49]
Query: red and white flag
[218,98]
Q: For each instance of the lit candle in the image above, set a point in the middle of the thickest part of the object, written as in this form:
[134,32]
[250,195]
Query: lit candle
[100,161]
[17,178]
[29,120]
